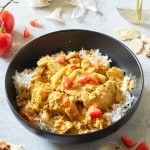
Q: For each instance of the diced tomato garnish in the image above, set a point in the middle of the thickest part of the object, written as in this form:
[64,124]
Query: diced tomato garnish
[34,23]
[94,112]
[127,141]
[67,83]
[88,78]
[60,58]
[26,33]
[142,146]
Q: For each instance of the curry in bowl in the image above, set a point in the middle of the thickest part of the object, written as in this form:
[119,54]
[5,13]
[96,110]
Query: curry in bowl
[73,93]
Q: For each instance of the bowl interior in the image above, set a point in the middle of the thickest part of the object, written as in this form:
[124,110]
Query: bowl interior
[69,40]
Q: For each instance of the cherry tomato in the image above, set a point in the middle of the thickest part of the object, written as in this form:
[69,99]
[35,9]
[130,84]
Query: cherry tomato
[5,43]
[7,21]
[94,112]
[67,83]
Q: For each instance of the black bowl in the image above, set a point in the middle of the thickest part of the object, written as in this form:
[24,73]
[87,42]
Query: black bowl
[69,40]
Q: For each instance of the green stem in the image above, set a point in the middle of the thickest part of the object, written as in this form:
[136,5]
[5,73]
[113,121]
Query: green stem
[139,10]
[3,7]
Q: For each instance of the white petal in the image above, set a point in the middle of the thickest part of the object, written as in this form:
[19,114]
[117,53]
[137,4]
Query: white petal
[90,4]
[38,3]
[77,3]
[78,12]
[56,15]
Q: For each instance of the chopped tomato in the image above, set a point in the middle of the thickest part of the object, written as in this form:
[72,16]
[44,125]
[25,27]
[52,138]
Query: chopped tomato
[87,79]
[34,23]
[26,33]
[67,83]
[60,58]
[127,141]
[94,112]
[142,146]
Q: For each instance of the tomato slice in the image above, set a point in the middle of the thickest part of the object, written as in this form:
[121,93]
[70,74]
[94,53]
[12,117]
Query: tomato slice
[94,112]
[26,33]
[67,83]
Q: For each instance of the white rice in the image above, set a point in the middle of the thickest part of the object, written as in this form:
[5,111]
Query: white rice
[97,54]
[22,80]
[120,110]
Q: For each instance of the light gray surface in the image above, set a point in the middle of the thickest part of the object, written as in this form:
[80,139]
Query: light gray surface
[11,130]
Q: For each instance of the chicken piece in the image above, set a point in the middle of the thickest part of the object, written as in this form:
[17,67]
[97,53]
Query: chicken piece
[39,93]
[40,75]
[73,55]
[62,105]
[115,73]
[55,100]
[56,78]
[47,67]
[75,73]
[105,95]
[51,65]
[70,109]
[43,61]
[60,124]
[84,98]
[119,94]
[85,64]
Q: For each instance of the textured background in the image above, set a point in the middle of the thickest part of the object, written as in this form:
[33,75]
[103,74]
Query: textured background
[105,21]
